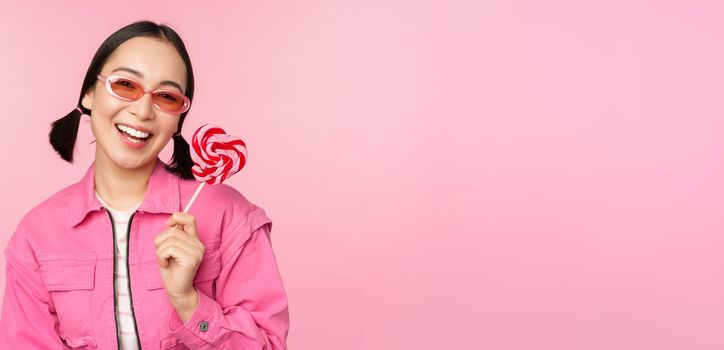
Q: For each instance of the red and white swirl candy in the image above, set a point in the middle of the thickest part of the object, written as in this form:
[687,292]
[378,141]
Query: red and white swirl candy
[216,154]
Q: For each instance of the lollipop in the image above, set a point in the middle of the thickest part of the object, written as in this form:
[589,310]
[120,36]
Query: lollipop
[216,156]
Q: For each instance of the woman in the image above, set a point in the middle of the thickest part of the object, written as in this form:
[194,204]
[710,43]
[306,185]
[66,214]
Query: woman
[111,262]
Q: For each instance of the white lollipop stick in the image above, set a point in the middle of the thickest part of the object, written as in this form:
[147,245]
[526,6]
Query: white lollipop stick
[198,189]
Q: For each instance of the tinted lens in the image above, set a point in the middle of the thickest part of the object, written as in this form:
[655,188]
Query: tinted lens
[169,101]
[126,88]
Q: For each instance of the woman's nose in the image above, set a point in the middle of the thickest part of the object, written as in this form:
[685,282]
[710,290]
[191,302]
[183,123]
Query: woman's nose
[143,107]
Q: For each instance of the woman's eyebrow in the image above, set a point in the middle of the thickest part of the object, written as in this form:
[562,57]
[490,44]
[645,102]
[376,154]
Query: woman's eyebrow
[138,74]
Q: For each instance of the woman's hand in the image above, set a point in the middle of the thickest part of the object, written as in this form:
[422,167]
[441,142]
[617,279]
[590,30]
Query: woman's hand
[180,252]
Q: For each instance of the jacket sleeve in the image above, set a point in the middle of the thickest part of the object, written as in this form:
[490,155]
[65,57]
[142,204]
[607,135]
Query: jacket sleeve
[28,319]
[250,310]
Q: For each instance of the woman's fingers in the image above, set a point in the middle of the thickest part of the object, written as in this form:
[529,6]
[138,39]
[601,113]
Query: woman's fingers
[175,232]
[167,252]
[180,241]
[187,222]
[188,253]
[165,235]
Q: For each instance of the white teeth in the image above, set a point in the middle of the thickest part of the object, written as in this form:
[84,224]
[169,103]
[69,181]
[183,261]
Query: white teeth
[132,131]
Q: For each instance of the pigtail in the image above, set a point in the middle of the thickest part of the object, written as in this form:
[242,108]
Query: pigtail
[181,161]
[64,132]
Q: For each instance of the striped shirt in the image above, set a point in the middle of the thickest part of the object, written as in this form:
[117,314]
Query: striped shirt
[126,323]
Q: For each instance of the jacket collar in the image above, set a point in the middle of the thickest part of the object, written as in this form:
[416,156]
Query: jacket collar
[162,194]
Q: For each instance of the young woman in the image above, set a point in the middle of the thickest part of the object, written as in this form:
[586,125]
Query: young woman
[111,262]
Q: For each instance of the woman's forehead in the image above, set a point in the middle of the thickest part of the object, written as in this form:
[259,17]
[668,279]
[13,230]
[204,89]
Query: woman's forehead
[150,60]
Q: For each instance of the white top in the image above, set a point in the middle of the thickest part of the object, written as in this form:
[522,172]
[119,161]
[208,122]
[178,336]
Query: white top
[126,323]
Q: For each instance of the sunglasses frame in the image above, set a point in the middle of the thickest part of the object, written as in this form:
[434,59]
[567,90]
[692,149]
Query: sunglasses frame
[107,80]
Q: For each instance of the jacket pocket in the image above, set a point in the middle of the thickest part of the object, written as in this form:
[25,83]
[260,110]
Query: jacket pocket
[70,281]
[206,274]
[86,342]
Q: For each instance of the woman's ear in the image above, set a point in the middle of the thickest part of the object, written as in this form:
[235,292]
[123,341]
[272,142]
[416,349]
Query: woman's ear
[87,101]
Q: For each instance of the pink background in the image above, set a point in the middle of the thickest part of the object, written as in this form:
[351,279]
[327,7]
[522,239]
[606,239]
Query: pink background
[441,174]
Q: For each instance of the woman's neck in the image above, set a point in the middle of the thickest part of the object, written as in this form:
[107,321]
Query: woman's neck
[121,188]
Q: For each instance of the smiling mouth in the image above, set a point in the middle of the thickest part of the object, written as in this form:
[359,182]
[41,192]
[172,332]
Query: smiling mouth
[132,134]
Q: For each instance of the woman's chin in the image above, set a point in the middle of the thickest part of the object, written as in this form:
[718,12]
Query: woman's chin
[132,163]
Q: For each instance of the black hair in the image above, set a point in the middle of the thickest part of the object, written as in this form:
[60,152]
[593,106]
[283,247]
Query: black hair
[64,131]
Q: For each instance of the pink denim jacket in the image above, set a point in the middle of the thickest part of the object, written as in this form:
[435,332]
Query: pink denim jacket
[60,266]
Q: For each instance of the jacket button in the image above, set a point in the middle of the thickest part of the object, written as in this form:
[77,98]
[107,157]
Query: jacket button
[204,326]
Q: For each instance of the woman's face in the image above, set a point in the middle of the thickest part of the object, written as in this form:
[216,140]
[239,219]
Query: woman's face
[154,62]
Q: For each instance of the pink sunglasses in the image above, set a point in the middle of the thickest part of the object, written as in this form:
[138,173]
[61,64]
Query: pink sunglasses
[130,90]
